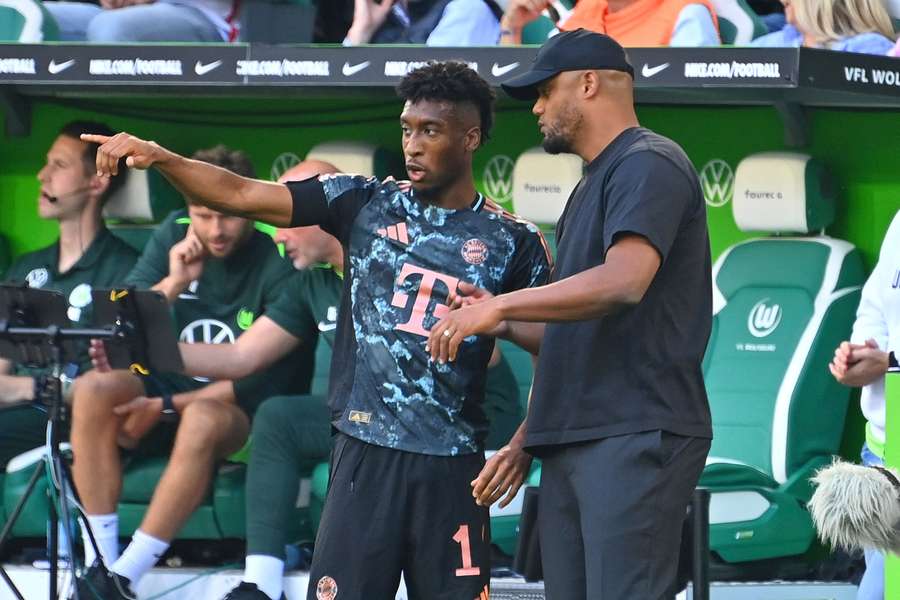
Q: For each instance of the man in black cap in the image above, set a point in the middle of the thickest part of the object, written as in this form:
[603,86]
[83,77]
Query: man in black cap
[619,412]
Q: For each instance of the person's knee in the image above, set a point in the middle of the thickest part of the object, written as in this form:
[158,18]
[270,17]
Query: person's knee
[273,414]
[112,26]
[205,425]
[95,394]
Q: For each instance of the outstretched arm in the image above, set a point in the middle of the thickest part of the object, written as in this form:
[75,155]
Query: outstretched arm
[258,348]
[212,186]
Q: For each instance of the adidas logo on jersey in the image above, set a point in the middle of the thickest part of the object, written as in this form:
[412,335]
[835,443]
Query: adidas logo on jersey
[396,232]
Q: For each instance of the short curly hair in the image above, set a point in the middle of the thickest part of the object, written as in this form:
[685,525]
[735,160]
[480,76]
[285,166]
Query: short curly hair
[451,81]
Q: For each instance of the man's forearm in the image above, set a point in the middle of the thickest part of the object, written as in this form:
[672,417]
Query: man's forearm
[16,388]
[227,192]
[218,391]
[525,335]
[170,288]
[216,361]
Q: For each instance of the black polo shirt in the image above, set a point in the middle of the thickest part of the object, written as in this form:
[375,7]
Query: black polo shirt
[638,369]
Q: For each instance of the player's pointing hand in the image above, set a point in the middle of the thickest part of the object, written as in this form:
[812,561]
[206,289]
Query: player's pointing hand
[138,153]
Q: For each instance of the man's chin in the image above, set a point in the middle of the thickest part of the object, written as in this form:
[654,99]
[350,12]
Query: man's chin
[556,145]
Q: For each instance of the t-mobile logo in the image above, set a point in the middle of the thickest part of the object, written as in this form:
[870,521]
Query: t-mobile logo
[423,297]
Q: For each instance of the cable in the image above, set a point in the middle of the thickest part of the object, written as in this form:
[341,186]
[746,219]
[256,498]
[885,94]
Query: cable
[200,575]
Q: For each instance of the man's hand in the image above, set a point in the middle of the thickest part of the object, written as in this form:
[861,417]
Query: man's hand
[138,154]
[857,365]
[520,13]
[368,16]
[140,414]
[186,259]
[503,473]
[476,318]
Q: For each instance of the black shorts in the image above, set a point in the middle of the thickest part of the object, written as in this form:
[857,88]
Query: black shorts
[389,511]
[158,442]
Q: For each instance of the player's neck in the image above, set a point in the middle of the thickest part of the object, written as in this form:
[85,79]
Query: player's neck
[75,236]
[457,196]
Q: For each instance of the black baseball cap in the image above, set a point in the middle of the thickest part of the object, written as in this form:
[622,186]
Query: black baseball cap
[569,51]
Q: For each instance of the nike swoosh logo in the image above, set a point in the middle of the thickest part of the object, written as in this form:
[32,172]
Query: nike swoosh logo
[350,70]
[649,71]
[188,297]
[55,67]
[323,326]
[498,71]
[201,69]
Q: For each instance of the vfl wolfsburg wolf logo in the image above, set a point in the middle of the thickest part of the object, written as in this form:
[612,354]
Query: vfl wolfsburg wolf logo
[245,318]
[763,319]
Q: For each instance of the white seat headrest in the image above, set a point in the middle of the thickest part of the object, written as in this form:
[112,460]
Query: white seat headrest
[542,183]
[782,192]
[131,202]
[358,158]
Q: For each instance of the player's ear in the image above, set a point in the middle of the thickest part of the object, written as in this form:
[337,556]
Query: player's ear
[473,139]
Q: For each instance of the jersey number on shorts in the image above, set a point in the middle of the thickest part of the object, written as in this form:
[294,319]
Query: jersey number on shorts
[462,538]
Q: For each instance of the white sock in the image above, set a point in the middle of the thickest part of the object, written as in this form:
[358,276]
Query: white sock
[139,557]
[106,532]
[267,572]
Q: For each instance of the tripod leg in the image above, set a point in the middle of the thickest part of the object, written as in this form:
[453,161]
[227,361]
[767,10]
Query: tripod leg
[63,474]
[7,528]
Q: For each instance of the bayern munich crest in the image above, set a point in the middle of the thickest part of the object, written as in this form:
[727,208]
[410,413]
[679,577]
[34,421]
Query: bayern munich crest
[474,251]
[326,589]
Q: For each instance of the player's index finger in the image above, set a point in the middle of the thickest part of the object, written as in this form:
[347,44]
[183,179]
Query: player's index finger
[94,138]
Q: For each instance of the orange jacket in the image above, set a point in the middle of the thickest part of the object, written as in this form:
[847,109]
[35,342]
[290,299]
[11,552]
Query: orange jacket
[644,23]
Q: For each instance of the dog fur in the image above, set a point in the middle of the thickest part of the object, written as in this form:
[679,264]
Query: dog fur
[856,507]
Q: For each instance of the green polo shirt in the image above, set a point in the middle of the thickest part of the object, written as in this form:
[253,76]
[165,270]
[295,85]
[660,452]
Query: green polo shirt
[309,307]
[104,264]
[223,303]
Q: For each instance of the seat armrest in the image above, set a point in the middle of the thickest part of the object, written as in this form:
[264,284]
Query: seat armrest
[799,484]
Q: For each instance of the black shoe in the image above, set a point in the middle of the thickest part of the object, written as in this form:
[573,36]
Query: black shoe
[99,583]
[248,591]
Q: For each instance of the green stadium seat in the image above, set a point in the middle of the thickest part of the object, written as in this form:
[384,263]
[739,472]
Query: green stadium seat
[26,22]
[738,23]
[540,29]
[781,305]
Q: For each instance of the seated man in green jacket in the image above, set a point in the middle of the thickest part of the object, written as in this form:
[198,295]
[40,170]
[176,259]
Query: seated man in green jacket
[219,273]
[85,256]
[291,434]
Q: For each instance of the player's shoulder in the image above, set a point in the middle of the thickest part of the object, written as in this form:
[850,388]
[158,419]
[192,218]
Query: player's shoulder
[510,221]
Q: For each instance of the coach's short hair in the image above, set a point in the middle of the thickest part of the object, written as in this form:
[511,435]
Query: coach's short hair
[451,81]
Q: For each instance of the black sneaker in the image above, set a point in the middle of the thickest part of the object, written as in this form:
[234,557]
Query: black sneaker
[99,583]
[248,591]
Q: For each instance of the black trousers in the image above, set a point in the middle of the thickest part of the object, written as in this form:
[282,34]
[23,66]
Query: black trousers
[389,511]
[611,512]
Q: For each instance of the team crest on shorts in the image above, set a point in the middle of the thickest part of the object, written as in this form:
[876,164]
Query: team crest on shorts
[326,589]
[474,251]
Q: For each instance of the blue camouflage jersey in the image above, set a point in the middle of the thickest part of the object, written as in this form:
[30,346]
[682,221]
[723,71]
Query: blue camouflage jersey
[403,257]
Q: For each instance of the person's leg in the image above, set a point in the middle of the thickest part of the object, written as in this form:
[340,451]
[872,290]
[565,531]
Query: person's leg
[159,22]
[872,585]
[291,434]
[360,541]
[72,18]
[559,530]
[96,467]
[449,552]
[208,432]
[22,428]
[633,493]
